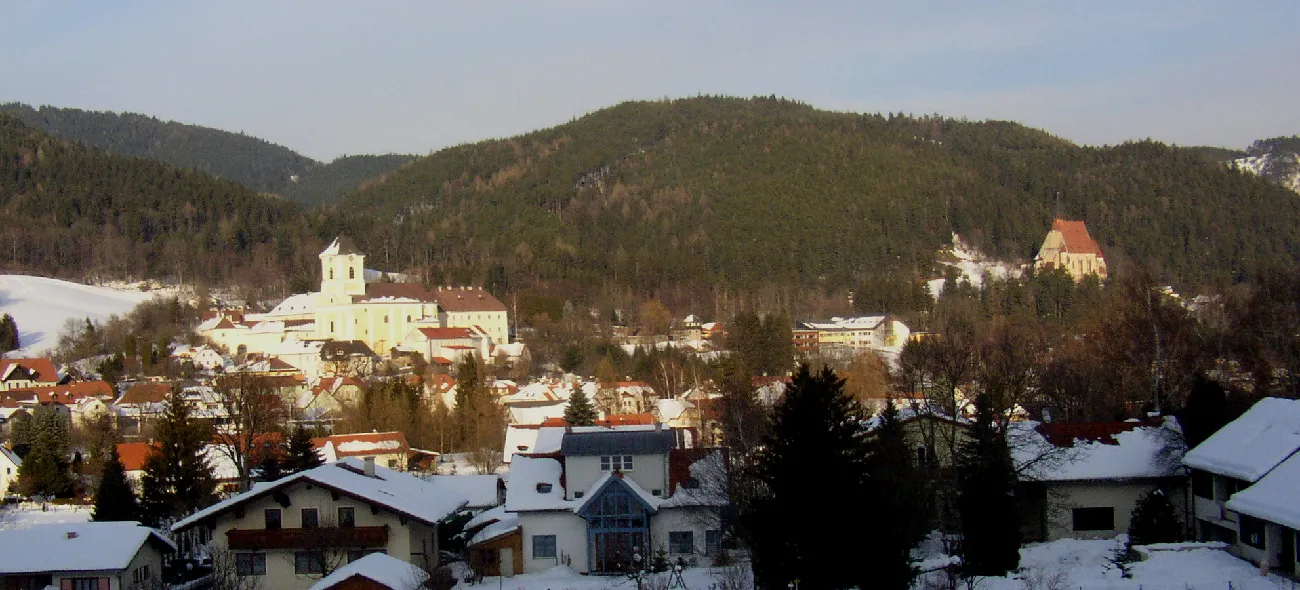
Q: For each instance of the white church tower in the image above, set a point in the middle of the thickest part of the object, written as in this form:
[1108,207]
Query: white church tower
[342,271]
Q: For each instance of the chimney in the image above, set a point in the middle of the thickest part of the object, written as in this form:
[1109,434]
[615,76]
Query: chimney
[370,466]
[659,426]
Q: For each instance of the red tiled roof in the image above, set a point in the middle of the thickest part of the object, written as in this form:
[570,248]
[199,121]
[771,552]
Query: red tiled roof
[145,393]
[462,299]
[68,393]
[446,333]
[1063,435]
[414,291]
[363,437]
[41,369]
[608,421]
[440,360]
[1074,235]
[134,454]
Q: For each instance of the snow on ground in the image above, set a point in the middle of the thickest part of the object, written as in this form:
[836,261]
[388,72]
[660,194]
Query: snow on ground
[21,516]
[1071,564]
[973,265]
[40,306]
[564,578]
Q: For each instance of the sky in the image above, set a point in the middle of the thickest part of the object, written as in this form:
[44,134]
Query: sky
[329,78]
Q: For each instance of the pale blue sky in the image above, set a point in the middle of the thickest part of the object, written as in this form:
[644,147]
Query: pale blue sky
[331,77]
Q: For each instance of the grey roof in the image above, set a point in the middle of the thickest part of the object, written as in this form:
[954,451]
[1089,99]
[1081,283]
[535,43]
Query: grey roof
[639,442]
[338,349]
[346,245]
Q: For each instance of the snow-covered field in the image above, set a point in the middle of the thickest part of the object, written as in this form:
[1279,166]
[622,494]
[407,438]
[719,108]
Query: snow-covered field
[30,515]
[40,306]
[973,265]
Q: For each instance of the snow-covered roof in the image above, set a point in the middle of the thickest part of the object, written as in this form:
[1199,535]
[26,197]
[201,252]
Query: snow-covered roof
[523,491]
[536,414]
[72,547]
[1250,446]
[481,491]
[837,323]
[671,409]
[1095,451]
[394,490]
[495,523]
[382,568]
[518,440]
[302,303]
[1273,497]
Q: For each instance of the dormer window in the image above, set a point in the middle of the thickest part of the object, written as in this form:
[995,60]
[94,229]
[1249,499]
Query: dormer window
[616,463]
[544,488]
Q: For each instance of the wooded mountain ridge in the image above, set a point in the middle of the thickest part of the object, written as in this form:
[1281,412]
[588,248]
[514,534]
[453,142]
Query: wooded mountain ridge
[683,196]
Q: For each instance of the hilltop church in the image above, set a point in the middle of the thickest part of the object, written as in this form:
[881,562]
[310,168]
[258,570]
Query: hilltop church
[383,315]
[1068,246]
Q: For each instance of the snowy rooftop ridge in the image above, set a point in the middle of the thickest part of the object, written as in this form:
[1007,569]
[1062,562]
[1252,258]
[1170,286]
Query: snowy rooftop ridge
[1253,444]
[71,547]
[389,571]
[1273,497]
[1142,451]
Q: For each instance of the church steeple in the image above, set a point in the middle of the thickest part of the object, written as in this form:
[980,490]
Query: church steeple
[342,269]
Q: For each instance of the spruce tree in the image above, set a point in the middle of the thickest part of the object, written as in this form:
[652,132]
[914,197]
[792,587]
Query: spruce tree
[44,470]
[899,499]
[1154,520]
[177,479]
[115,500]
[8,334]
[986,505]
[580,411]
[813,454]
[301,454]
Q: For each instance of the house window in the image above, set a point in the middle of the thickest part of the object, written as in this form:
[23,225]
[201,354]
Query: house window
[331,274]
[140,575]
[352,272]
[331,327]
[356,554]
[616,463]
[310,518]
[385,319]
[579,494]
[250,564]
[392,463]
[691,483]
[308,562]
[1203,484]
[1252,531]
[543,546]
[1094,519]
[272,518]
[544,488]
[922,456]
[347,517]
[681,542]
[712,542]
[85,584]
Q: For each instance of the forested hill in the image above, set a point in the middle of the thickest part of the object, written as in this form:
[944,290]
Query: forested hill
[75,211]
[748,193]
[252,162]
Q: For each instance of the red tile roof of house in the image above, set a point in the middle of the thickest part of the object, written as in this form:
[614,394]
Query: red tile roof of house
[145,393]
[446,333]
[68,393]
[42,370]
[1063,435]
[134,454]
[1074,235]
[608,421]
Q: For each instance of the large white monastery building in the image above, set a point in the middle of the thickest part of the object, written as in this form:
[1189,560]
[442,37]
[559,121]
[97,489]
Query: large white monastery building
[383,315]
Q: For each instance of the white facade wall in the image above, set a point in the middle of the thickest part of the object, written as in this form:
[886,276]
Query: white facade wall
[648,471]
[570,540]
[410,541]
[1064,497]
[695,520]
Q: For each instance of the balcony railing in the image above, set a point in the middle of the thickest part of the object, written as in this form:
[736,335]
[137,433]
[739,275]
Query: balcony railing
[318,538]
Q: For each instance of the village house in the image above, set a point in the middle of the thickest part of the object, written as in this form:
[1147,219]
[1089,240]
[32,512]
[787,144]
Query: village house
[1068,246]
[386,448]
[83,556]
[875,332]
[9,464]
[609,496]
[1245,479]
[27,373]
[296,531]
[78,401]
[452,344]
[1083,481]
[347,358]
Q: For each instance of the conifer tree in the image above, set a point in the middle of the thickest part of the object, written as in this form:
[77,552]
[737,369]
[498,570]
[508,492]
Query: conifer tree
[44,470]
[301,454]
[8,334]
[986,505]
[115,500]
[899,500]
[177,479]
[813,453]
[1154,520]
[580,411]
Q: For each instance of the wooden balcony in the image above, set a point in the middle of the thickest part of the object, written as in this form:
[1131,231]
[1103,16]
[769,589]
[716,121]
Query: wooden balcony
[319,538]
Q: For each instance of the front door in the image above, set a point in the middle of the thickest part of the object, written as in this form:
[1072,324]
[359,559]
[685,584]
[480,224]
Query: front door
[615,552]
[507,564]
[1286,561]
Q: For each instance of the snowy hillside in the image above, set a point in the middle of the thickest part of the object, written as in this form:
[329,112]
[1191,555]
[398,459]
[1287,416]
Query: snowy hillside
[1283,168]
[40,306]
[972,264]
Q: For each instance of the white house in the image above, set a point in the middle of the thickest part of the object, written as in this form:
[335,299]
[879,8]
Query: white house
[9,464]
[1082,481]
[295,531]
[610,496]
[1244,484]
[84,556]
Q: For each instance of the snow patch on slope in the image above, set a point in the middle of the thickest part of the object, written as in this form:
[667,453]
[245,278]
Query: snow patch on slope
[41,306]
[1283,169]
[973,265]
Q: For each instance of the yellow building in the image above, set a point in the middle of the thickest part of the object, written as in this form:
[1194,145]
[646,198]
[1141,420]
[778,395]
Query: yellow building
[1069,246]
